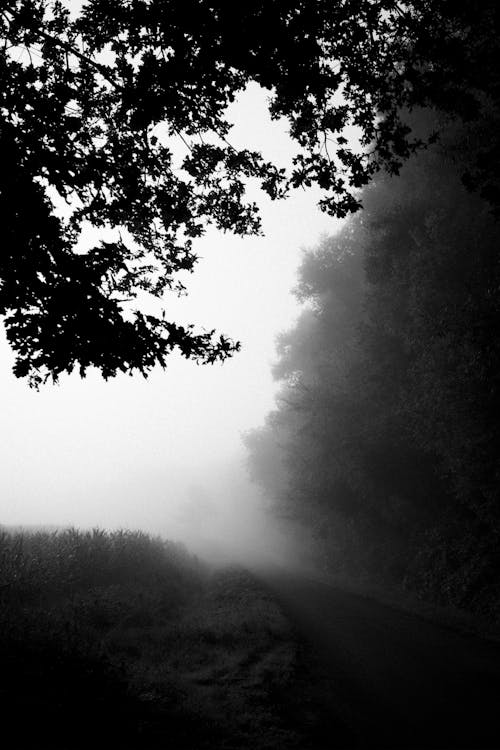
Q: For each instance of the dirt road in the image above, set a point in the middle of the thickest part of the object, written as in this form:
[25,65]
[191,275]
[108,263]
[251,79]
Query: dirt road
[382,678]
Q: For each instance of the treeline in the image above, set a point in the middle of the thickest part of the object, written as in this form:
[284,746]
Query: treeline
[384,439]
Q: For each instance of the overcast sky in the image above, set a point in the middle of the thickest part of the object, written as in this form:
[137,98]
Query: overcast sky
[143,453]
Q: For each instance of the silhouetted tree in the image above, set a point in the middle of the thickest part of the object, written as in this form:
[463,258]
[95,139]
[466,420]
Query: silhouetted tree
[90,108]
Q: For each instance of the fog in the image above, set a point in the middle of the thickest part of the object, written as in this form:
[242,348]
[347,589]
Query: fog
[165,454]
[346,459]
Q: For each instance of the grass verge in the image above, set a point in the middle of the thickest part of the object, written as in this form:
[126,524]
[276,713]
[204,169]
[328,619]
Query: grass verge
[121,640]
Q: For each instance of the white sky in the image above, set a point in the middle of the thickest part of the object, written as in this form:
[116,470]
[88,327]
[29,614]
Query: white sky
[137,453]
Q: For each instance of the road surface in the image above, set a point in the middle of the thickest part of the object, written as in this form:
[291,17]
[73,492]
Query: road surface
[384,678]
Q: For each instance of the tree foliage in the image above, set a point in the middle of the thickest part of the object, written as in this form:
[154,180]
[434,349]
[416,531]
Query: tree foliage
[386,421]
[96,107]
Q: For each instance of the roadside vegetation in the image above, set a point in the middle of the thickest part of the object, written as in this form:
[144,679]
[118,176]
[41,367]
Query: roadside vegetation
[383,444]
[122,640]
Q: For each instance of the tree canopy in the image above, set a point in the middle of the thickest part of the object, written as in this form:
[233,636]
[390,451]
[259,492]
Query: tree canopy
[96,106]
[384,439]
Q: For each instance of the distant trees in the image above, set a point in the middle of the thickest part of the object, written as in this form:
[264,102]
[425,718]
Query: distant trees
[387,416]
[94,110]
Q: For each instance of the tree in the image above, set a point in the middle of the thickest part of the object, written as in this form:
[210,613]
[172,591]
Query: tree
[92,105]
[386,419]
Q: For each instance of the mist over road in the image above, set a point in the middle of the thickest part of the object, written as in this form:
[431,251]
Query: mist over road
[386,678]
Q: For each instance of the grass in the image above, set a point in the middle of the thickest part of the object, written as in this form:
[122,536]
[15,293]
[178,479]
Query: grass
[123,640]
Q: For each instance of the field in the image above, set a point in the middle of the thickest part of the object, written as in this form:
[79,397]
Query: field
[122,640]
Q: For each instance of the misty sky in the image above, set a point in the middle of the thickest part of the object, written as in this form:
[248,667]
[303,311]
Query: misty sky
[148,453]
